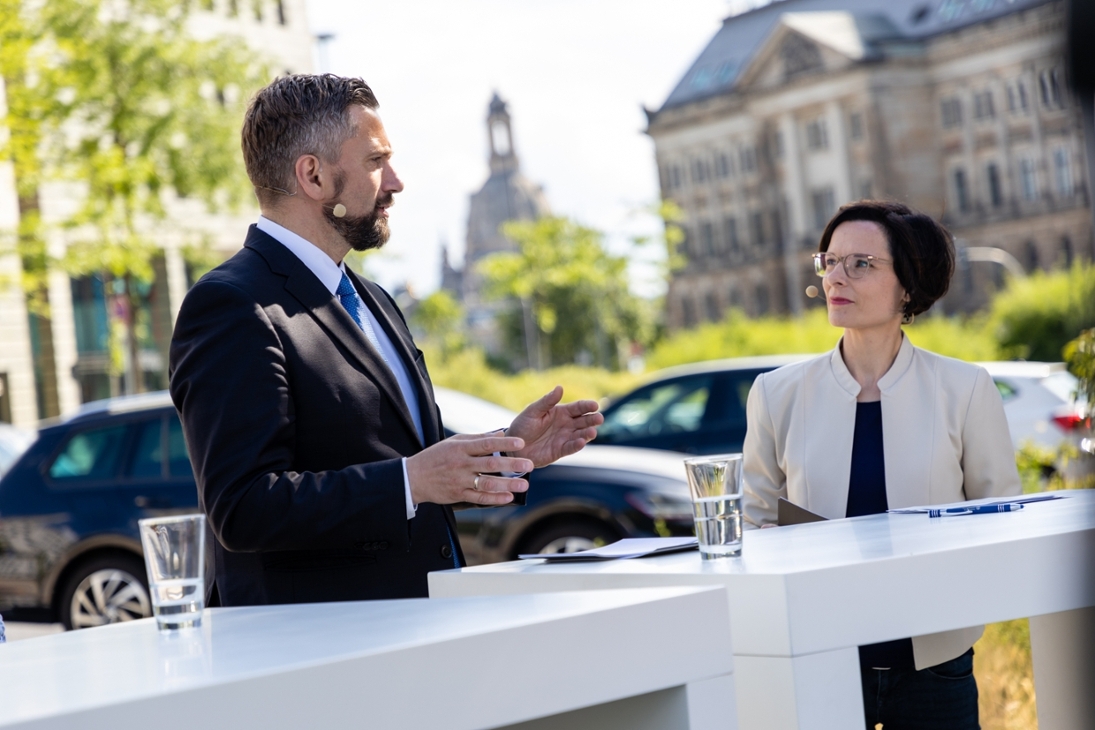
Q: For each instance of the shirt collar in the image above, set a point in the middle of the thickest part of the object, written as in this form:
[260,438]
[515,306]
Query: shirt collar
[327,271]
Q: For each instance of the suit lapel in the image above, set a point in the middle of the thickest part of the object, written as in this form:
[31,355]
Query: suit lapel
[397,332]
[303,285]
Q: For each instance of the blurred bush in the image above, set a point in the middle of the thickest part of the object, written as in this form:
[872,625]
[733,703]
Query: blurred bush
[739,336]
[1005,677]
[468,371]
[1034,318]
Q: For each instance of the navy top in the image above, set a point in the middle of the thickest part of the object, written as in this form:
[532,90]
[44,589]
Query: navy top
[867,496]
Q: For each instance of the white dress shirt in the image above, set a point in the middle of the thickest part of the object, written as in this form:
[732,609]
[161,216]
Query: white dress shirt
[330,274]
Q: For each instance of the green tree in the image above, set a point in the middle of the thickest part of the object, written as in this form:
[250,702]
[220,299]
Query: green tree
[440,318]
[1034,318]
[569,298]
[122,100]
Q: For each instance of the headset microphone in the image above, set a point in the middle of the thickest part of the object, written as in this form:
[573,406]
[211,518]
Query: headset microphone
[811,291]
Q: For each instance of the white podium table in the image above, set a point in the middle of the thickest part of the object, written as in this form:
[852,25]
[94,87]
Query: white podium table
[649,658]
[802,599]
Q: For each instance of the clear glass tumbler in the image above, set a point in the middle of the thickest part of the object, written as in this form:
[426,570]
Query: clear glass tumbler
[716,484]
[174,554]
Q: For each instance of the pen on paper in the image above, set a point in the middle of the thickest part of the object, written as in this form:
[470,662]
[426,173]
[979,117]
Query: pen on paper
[983,509]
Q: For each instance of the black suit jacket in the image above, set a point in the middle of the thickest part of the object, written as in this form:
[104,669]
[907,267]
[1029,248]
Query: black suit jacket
[296,429]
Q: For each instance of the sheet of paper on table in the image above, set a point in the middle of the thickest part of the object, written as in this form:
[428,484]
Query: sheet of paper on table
[1026,499]
[632,547]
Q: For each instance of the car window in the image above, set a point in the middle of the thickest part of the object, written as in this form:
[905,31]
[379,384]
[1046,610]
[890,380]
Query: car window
[1062,384]
[90,455]
[178,459]
[147,460]
[1007,392]
[675,407]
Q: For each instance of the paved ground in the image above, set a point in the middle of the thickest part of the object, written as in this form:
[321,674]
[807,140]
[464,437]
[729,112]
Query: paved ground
[19,630]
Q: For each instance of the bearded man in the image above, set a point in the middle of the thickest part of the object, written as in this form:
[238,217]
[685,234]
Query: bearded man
[307,409]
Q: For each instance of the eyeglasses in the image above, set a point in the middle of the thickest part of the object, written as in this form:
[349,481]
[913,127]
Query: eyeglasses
[856,265]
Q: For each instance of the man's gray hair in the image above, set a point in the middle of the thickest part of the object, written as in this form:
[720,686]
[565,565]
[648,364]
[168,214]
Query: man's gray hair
[303,114]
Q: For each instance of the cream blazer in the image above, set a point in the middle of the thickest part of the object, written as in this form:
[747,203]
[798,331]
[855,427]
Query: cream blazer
[944,434]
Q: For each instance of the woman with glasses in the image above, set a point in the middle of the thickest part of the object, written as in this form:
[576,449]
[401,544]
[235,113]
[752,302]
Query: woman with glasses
[878,424]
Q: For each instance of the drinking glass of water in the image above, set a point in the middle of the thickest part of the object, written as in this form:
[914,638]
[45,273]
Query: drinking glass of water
[715,483]
[174,554]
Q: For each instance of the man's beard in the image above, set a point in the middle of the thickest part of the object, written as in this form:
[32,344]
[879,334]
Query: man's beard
[364,232]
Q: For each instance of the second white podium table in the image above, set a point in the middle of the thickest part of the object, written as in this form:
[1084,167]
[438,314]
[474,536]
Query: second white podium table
[802,599]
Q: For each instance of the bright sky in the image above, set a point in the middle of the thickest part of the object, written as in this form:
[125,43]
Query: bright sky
[575,74]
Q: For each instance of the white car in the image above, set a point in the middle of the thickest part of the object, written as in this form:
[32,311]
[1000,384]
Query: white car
[1039,401]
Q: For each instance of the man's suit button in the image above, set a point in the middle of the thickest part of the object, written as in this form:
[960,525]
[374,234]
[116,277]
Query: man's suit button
[446,552]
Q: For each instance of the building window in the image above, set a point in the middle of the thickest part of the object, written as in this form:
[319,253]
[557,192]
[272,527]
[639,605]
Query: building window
[282,20]
[707,238]
[855,126]
[1049,83]
[777,142]
[675,177]
[762,299]
[233,8]
[1062,172]
[961,191]
[996,193]
[952,112]
[982,105]
[756,224]
[688,311]
[711,302]
[1017,97]
[1033,259]
[256,8]
[817,136]
[730,231]
[734,298]
[824,202]
[1028,179]
[699,171]
[748,159]
[722,165]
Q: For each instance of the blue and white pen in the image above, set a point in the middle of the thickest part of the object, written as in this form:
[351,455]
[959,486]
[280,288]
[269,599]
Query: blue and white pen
[981,509]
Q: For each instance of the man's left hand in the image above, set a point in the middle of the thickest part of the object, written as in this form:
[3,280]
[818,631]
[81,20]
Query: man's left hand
[552,431]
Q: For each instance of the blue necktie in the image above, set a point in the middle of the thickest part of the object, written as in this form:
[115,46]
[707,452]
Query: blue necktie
[349,299]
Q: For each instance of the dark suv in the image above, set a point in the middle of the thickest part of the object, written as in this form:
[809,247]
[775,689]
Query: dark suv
[69,506]
[697,409]
[69,509]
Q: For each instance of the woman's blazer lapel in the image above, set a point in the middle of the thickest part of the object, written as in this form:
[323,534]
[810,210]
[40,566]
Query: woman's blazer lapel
[908,424]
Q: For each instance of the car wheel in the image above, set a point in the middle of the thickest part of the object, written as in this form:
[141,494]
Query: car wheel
[105,590]
[570,537]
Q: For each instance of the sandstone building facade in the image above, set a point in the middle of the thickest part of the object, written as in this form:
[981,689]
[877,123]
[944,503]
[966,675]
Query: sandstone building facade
[957,107]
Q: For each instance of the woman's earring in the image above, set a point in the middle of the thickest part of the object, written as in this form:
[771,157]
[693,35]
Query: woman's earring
[907,318]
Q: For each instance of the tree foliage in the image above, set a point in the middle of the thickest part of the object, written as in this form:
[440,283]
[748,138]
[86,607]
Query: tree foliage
[568,297]
[440,318]
[118,98]
[1035,317]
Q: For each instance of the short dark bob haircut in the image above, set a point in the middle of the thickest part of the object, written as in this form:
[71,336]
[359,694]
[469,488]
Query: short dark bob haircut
[922,250]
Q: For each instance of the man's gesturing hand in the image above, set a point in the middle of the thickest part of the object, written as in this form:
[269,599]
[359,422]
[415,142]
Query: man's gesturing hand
[447,472]
[552,431]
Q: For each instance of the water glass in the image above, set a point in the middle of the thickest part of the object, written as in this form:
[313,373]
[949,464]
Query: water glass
[716,484]
[174,554]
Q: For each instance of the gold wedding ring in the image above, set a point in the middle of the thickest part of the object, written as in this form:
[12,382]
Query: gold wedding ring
[476,485]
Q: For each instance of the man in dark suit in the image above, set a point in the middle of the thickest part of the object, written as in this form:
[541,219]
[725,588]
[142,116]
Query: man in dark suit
[307,408]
